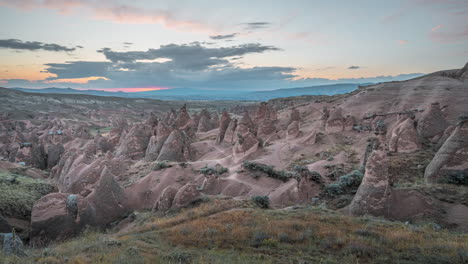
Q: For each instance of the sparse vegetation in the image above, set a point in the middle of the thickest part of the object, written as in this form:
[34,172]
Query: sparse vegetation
[269,171]
[159,165]
[217,170]
[18,194]
[215,233]
[303,171]
[346,183]
[457,177]
[261,201]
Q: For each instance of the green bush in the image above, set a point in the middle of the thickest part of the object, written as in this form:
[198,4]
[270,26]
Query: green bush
[161,165]
[261,201]
[217,170]
[303,171]
[345,183]
[457,177]
[269,171]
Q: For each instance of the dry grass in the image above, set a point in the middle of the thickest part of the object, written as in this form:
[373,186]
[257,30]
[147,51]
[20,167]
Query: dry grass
[229,231]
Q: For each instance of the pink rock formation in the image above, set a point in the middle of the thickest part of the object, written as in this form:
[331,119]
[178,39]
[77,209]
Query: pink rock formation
[58,216]
[404,137]
[293,130]
[165,200]
[176,147]
[246,144]
[335,123]
[452,157]
[229,136]
[186,195]
[183,117]
[134,144]
[432,121]
[371,197]
[223,125]
[109,199]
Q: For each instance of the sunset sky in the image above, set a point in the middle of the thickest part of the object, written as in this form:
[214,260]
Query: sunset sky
[139,45]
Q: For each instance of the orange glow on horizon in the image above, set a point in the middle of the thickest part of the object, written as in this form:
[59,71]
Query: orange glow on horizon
[131,90]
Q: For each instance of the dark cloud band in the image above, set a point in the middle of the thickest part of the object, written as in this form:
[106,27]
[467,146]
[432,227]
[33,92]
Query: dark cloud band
[32,45]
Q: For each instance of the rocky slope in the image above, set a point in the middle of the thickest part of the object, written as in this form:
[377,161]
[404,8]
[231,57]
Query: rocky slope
[396,150]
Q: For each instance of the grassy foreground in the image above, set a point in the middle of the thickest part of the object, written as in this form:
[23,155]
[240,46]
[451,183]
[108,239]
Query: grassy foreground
[230,231]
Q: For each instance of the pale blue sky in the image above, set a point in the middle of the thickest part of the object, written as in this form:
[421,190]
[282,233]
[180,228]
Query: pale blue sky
[298,41]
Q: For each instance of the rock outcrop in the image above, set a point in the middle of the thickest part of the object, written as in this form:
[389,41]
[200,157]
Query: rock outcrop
[452,157]
[371,197]
[186,195]
[229,136]
[134,144]
[293,130]
[223,125]
[109,199]
[165,200]
[432,121]
[404,137]
[335,123]
[176,147]
[58,216]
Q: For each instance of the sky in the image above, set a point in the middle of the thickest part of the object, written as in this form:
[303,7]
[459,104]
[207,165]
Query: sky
[233,45]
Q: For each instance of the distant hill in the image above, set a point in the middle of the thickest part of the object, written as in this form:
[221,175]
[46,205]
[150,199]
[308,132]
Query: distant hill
[201,94]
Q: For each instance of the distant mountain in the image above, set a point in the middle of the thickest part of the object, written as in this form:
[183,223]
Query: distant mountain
[201,94]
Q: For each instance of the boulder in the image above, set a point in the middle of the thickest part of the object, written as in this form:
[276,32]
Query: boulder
[452,157]
[176,147]
[404,137]
[12,244]
[186,195]
[58,216]
[165,200]
[109,199]
[372,195]
[432,121]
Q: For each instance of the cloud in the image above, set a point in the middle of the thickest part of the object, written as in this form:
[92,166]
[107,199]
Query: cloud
[220,37]
[325,68]
[403,42]
[127,43]
[191,56]
[256,25]
[114,12]
[454,35]
[434,29]
[354,67]
[17,44]
[78,69]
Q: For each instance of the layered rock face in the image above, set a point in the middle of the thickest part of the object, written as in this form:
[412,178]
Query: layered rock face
[371,197]
[452,157]
[58,216]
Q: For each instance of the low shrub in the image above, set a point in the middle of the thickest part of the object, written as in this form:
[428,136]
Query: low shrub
[457,177]
[269,171]
[303,171]
[261,201]
[161,165]
[217,170]
[346,182]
